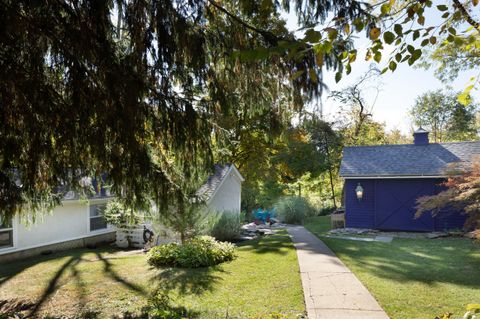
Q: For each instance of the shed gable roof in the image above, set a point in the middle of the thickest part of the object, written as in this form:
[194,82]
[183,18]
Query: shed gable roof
[405,160]
[214,181]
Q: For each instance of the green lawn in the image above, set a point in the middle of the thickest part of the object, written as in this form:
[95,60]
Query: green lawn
[263,279]
[412,278]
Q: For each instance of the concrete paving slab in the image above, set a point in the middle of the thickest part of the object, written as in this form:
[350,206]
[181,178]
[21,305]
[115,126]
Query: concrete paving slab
[382,239]
[344,314]
[330,289]
[353,238]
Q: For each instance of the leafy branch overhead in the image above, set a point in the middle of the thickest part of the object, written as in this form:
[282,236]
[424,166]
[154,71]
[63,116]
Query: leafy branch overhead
[139,92]
[410,27]
[133,90]
[404,25]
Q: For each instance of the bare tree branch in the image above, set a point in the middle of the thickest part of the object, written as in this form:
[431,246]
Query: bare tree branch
[467,15]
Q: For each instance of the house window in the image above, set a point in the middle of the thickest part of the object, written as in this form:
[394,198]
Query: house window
[97,219]
[6,234]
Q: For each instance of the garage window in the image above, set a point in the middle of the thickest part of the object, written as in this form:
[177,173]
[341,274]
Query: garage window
[6,234]
[97,217]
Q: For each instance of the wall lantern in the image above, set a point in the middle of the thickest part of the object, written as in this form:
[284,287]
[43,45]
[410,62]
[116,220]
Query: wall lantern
[359,191]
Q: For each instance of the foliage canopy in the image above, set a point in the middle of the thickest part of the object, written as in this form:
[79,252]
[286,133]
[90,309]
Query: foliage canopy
[462,193]
[447,120]
[138,90]
[133,89]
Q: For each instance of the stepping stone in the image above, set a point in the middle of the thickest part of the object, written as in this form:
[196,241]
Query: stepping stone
[384,239]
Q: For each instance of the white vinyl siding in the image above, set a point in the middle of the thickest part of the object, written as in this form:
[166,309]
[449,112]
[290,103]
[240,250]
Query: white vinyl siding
[228,196]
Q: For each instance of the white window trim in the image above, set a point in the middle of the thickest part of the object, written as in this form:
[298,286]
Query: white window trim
[101,230]
[14,236]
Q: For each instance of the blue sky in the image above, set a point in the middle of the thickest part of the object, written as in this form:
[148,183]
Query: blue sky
[398,90]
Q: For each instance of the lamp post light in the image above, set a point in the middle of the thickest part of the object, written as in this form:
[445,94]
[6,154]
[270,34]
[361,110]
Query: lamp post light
[359,192]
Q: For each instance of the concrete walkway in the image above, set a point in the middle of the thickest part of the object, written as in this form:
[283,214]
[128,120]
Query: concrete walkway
[331,290]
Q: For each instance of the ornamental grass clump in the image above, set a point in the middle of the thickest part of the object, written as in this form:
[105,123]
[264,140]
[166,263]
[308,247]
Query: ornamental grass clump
[202,251]
[293,209]
[228,226]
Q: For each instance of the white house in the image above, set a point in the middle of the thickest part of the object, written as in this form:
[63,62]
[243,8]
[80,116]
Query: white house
[223,189]
[75,223]
[79,223]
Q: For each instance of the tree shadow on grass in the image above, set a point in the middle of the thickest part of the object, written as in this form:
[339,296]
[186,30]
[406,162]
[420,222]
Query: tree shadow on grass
[279,243]
[453,261]
[69,266]
[188,281]
[53,283]
[161,311]
[11,269]
[107,267]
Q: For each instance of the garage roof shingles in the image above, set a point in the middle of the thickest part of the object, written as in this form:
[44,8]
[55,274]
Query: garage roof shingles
[405,160]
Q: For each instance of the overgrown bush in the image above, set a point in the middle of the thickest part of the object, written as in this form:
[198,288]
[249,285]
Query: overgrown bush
[227,226]
[293,209]
[197,252]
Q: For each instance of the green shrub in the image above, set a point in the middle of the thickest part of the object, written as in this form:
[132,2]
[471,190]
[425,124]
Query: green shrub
[160,306]
[197,252]
[293,209]
[117,214]
[227,226]
[324,211]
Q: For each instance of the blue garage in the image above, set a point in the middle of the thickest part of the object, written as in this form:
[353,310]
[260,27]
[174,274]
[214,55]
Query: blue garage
[382,183]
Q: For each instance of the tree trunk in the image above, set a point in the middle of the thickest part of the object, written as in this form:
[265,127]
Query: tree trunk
[182,237]
[119,20]
[330,170]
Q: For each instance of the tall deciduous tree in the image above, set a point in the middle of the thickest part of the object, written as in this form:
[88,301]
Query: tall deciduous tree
[134,88]
[355,121]
[87,88]
[328,145]
[446,119]
[457,50]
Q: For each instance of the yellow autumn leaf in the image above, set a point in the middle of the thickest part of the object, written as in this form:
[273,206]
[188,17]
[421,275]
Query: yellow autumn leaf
[471,307]
[319,59]
[374,33]
[421,20]
[346,29]
[475,2]
[368,55]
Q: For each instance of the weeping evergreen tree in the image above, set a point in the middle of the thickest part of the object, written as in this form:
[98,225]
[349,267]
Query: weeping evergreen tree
[136,90]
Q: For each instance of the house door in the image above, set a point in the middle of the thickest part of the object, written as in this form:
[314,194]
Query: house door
[395,201]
